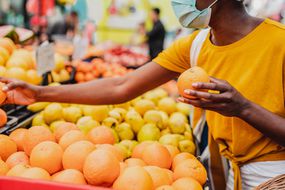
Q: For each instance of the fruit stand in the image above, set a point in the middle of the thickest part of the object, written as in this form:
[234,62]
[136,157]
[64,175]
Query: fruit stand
[118,133]
[151,131]
[144,143]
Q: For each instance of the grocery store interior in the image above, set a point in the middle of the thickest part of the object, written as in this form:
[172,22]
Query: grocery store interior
[142,94]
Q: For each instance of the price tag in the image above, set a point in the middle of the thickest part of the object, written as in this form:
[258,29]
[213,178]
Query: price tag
[80,48]
[45,58]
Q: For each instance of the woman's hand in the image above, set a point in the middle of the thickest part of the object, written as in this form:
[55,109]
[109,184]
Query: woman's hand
[19,92]
[229,102]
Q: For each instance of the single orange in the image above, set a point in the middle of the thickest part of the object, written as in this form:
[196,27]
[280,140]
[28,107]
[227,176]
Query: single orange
[8,147]
[134,178]
[137,152]
[180,158]
[18,137]
[36,135]
[47,155]
[17,170]
[114,150]
[71,176]
[186,183]
[135,162]
[157,155]
[36,173]
[192,75]
[158,175]
[74,155]
[95,73]
[101,135]
[101,168]
[89,76]
[71,137]
[63,128]
[86,67]
[79,77]
[191,168]
[173,150]
[17,158]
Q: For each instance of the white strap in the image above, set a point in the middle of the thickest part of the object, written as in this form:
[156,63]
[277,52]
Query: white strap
[198,130]
[197,45]
[195,49]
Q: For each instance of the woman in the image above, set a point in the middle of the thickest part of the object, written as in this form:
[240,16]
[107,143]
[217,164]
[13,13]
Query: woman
[245,55]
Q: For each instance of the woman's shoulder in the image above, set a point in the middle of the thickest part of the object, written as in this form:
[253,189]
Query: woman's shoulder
[274,27]
[274,32]
[275,24]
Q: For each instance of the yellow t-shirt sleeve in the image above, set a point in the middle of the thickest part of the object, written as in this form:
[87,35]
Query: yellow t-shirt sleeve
[177,57]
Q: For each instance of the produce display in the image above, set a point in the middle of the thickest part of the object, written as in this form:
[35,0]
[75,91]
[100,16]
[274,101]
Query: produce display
[152,142]
[17,63]
[146,142]
[20,64]
[125,56]
[151,117]
[36,154]
[97,68]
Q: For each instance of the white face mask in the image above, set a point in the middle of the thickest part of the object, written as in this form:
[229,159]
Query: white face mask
[189,16]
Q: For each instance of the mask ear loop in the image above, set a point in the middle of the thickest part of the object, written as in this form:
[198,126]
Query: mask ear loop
[213,4]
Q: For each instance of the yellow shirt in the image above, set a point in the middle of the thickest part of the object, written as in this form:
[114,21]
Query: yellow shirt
[255,66]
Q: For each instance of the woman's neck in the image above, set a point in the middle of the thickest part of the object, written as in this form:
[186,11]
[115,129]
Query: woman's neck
[231,24]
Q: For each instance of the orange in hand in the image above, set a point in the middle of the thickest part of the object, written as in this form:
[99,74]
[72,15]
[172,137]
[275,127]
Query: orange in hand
[186,80]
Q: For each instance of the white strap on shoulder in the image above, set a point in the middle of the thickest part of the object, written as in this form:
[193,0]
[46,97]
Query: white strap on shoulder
[197,45]
[195,49]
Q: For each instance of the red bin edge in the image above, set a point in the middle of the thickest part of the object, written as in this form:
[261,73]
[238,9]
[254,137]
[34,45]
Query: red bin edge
[12,183]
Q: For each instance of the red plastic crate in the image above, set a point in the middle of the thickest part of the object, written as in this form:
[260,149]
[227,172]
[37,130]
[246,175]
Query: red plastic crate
[8,183]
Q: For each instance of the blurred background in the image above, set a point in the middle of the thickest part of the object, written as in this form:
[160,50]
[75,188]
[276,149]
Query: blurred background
[108,20]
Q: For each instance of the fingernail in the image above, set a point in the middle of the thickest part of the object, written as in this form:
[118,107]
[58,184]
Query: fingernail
[195,85]
[180,99]
[5,88]
[187,91]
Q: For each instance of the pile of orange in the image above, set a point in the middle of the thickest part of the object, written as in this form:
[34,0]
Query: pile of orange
[97,68]
[86,72]
[73,158]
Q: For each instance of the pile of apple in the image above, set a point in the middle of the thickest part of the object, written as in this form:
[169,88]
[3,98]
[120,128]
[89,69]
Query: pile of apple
[152,117]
